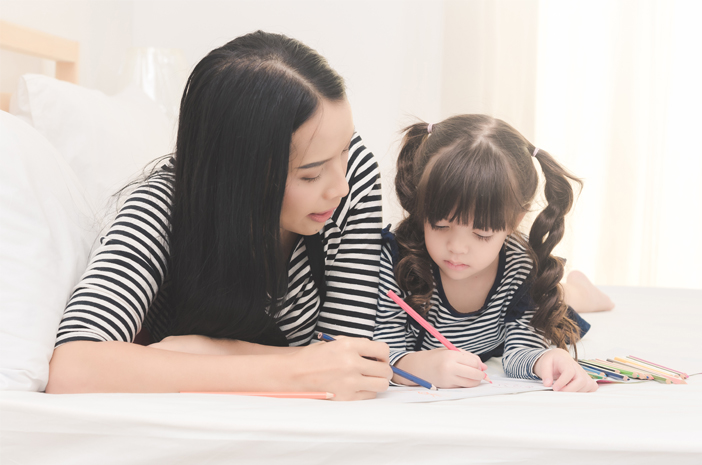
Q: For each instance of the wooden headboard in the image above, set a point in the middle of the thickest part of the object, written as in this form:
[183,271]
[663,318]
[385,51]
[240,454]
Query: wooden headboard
[64,52]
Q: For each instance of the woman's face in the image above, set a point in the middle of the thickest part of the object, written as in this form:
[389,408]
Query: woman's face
[317,172]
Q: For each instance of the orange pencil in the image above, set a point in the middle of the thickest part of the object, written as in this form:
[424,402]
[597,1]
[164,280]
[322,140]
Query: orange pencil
[281,395]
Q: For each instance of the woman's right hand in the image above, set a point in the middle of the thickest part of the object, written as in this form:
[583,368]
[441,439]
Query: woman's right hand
[351,368]
[444,368]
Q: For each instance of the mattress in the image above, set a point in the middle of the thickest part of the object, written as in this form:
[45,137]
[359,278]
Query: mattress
[636,423]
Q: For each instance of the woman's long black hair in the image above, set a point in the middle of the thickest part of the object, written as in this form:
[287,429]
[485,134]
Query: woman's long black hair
[241,105]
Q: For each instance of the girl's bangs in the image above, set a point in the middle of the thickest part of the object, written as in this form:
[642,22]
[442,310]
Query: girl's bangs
[471,187]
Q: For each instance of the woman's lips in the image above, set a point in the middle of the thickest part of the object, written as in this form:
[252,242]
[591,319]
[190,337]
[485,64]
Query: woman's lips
[321,217]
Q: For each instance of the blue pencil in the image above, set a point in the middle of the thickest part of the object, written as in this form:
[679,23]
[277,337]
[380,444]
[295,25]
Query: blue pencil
[397,371]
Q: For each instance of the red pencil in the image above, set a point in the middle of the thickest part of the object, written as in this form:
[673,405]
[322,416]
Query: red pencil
[418,318]
[282,395]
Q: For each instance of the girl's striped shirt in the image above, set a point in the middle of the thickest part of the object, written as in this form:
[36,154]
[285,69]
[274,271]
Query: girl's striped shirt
[126,282]
[500,328]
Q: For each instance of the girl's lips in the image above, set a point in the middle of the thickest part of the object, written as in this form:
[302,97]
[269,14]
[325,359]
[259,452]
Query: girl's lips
[455,266]
[321,217]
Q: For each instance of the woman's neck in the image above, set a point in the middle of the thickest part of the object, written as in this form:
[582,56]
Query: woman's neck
[288,240]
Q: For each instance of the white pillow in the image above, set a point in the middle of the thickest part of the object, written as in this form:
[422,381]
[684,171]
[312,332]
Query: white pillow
[45,239]
[107,141]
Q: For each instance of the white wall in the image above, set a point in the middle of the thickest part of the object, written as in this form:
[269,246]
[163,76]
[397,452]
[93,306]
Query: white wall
[389,52]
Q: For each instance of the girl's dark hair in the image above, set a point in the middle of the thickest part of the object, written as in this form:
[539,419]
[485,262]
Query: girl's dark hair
[241,105]
[475,168]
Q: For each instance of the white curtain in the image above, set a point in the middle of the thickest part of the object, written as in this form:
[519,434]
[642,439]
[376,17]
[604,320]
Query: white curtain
[613,89]
[619,101]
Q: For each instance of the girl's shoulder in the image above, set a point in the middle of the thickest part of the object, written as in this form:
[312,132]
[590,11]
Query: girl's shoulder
[389,245]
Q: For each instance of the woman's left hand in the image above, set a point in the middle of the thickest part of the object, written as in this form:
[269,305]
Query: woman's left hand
[203,345]
[559,370]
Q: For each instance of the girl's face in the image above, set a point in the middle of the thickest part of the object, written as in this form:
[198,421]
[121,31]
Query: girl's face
[317,171]
[461,251]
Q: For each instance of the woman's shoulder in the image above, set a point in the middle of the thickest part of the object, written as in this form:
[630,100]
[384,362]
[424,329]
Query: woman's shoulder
[159,185]
[362,165]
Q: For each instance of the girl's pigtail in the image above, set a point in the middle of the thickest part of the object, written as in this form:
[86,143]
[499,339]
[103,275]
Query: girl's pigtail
[405,181]
[413,271]
[546,232]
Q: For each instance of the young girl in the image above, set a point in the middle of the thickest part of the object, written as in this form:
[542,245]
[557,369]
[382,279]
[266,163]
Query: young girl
[457,258]
[213,254]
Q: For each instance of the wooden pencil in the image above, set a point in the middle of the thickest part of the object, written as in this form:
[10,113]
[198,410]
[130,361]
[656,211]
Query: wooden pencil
[648,374]
[672,379]
[626,369]
[679,373]
[397,371]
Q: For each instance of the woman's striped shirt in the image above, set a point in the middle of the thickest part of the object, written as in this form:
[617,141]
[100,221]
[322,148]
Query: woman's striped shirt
[126,283]
[501,327]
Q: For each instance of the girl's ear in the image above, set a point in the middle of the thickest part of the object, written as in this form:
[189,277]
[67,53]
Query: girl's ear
[519,220]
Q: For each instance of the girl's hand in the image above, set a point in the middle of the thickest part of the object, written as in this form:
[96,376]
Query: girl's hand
[443,368]
[351,368]
[569,376]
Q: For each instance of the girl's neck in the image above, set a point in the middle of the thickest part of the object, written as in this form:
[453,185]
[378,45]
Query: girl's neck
[469,295]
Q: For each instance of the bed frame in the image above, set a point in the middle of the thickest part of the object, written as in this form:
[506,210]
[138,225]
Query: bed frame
[20,39]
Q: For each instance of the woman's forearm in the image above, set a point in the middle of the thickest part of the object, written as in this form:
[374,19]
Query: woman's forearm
[83,366]
[204,345]
[351,368]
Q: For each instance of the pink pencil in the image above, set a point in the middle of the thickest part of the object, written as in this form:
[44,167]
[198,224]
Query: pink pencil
[281,395]
[683,375]
[418,318]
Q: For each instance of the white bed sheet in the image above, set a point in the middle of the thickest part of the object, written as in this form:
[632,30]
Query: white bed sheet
[638,424]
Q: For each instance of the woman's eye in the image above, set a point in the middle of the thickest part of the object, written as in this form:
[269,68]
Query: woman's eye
[312,179]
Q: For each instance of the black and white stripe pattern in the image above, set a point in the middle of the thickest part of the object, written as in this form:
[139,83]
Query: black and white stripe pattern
[126,282]
[480,332]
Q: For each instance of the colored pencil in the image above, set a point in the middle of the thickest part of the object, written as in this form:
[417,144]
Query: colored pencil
[592,371]
[595,376]
[672,379]
[608,373]
[625,369]
[414,379]
[281,395]
[418,318]
[599,365]
[397,371]
[650,375]
[679,373]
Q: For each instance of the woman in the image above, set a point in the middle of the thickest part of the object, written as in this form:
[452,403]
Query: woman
[209,252]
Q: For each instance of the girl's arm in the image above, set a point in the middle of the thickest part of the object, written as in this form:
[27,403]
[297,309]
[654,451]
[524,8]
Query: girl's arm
[442,367]
[342,368]
[528,356]
[391,320]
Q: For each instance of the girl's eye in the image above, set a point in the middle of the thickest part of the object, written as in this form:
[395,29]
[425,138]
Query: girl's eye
[439,227]
[483,238]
